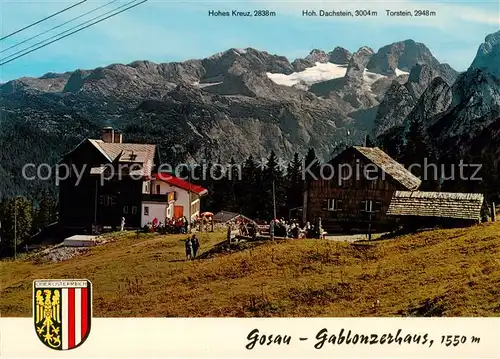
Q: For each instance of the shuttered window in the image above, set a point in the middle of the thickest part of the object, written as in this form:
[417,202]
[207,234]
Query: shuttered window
[370,206]
[333,204]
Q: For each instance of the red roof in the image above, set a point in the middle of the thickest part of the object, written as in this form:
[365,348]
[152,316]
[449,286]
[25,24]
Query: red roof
[180,183]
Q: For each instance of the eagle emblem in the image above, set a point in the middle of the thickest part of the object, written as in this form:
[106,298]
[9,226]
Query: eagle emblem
[62,310]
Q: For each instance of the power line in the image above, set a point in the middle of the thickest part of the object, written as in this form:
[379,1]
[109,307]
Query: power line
[58,26]
[39,21]
[5,61]
[64,32]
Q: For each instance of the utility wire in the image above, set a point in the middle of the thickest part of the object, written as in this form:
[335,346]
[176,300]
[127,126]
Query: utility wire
[65,31]
[23,52]
[39,21]
[58,26]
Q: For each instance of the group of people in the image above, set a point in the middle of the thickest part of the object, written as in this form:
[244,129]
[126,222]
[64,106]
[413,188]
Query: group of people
[288,229]
[170,226]
[192,245]
[312,231]
[247,228]
[293,229]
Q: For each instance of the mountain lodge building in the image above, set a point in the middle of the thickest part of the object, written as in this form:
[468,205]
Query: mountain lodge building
[353,202]
[382,197]
[109,179]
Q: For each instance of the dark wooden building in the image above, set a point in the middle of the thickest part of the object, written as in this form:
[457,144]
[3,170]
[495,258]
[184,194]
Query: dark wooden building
[106,181]
[428,209]
[354,190]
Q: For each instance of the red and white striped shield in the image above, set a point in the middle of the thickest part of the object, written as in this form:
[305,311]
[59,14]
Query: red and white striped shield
[62,311]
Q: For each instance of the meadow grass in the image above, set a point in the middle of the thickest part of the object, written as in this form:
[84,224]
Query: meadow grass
[452,272]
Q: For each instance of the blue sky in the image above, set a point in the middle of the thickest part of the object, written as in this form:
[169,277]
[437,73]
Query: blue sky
[163,31]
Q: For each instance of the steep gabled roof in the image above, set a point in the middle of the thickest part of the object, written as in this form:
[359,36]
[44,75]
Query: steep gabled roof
[436,204]
[180,183]
[225,216]
[144,154]
[390,166]
[96,144]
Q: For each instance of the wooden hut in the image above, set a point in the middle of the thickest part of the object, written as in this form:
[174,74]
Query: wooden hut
[417,208]
[357,202]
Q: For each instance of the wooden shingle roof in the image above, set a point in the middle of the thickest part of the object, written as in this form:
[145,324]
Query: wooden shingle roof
[225,216]
[390,166]
[144,154]
[436,204]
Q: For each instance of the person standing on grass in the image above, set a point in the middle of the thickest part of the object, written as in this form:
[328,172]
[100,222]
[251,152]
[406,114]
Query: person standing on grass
[189,249]
[122,224]
[195,244]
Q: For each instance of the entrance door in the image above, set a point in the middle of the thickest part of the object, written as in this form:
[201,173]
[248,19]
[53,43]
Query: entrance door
[178,211]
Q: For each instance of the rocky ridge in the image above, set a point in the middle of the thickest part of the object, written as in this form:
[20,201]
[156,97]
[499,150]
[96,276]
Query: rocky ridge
[228,105]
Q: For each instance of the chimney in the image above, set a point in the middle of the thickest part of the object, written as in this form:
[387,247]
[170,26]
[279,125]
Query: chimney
[118,138]
[108,134]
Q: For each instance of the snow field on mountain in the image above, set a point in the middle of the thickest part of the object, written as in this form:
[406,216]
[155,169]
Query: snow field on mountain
[322,72]
[319,73]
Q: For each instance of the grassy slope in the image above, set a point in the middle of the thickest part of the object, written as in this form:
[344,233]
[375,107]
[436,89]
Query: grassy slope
[445,272]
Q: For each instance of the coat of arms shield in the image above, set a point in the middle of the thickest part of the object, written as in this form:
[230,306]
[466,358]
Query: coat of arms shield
[62,311]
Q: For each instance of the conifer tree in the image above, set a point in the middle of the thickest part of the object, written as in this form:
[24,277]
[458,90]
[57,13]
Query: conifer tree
[217,176]
[17,219]
[296,184]
[416,149]
[249,188]
[231,182]
[46,212]
[269,175]
[311,165]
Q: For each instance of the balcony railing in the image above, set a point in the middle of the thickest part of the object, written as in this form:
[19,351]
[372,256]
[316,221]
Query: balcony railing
[167,197]
[155,197]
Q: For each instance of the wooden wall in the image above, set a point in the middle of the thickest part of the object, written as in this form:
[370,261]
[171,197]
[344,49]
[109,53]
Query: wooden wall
[78,201]
[351,216]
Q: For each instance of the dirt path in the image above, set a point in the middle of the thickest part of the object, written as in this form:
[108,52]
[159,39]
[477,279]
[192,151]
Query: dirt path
[353,237]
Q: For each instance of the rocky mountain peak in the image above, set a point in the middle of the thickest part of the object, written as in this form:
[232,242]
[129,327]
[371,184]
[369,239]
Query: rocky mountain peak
[302,64]
[401,98]
[488,55]
[249,59]
[339,56]
[53,75]
[419,78]
[402,55]
[75,81]
[317,55]
[358,62]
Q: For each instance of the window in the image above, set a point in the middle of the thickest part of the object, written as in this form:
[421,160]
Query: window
[370,206]
[195,207]
[158,189]
[334,205]
[134,209]
[125,209]
[146,211]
